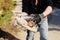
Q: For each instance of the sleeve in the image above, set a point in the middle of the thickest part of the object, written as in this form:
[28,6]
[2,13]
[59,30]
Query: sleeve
[49,3]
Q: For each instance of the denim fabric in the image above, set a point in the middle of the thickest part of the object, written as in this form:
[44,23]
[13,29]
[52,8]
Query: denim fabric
[43,31]
[30,35]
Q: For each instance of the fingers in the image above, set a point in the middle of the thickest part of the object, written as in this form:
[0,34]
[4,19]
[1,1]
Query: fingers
[31,23]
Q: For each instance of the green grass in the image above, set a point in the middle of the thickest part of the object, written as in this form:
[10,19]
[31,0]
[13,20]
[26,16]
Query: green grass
[5,16]
[14,2]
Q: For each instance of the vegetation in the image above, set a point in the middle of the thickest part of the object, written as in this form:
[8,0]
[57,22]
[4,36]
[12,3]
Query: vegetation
[6,14]
[6,6]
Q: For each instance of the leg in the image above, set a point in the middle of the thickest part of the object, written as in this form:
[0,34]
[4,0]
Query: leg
[44,30]
[30,35]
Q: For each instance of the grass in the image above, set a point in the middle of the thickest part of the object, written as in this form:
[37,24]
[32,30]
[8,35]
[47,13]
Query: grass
[6,15]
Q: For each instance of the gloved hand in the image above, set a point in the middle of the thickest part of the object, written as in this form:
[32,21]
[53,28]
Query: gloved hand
[37,18]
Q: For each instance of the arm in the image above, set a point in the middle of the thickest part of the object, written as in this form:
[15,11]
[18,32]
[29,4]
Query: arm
[49,8]
[47,11]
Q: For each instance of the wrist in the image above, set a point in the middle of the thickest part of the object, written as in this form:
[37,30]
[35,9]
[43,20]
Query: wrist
[42,16]
[45,14]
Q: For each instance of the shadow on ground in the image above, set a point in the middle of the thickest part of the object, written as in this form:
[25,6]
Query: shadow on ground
[6,35]
[54,29]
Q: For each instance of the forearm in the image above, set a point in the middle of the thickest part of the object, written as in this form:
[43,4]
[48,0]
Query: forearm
[47,11]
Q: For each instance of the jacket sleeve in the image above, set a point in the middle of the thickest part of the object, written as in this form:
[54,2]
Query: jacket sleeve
[50,3]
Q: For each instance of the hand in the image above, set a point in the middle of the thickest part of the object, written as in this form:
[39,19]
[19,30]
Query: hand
[31,23]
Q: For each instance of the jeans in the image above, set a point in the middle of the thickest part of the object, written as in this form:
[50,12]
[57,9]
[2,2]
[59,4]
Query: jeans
[43,31]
